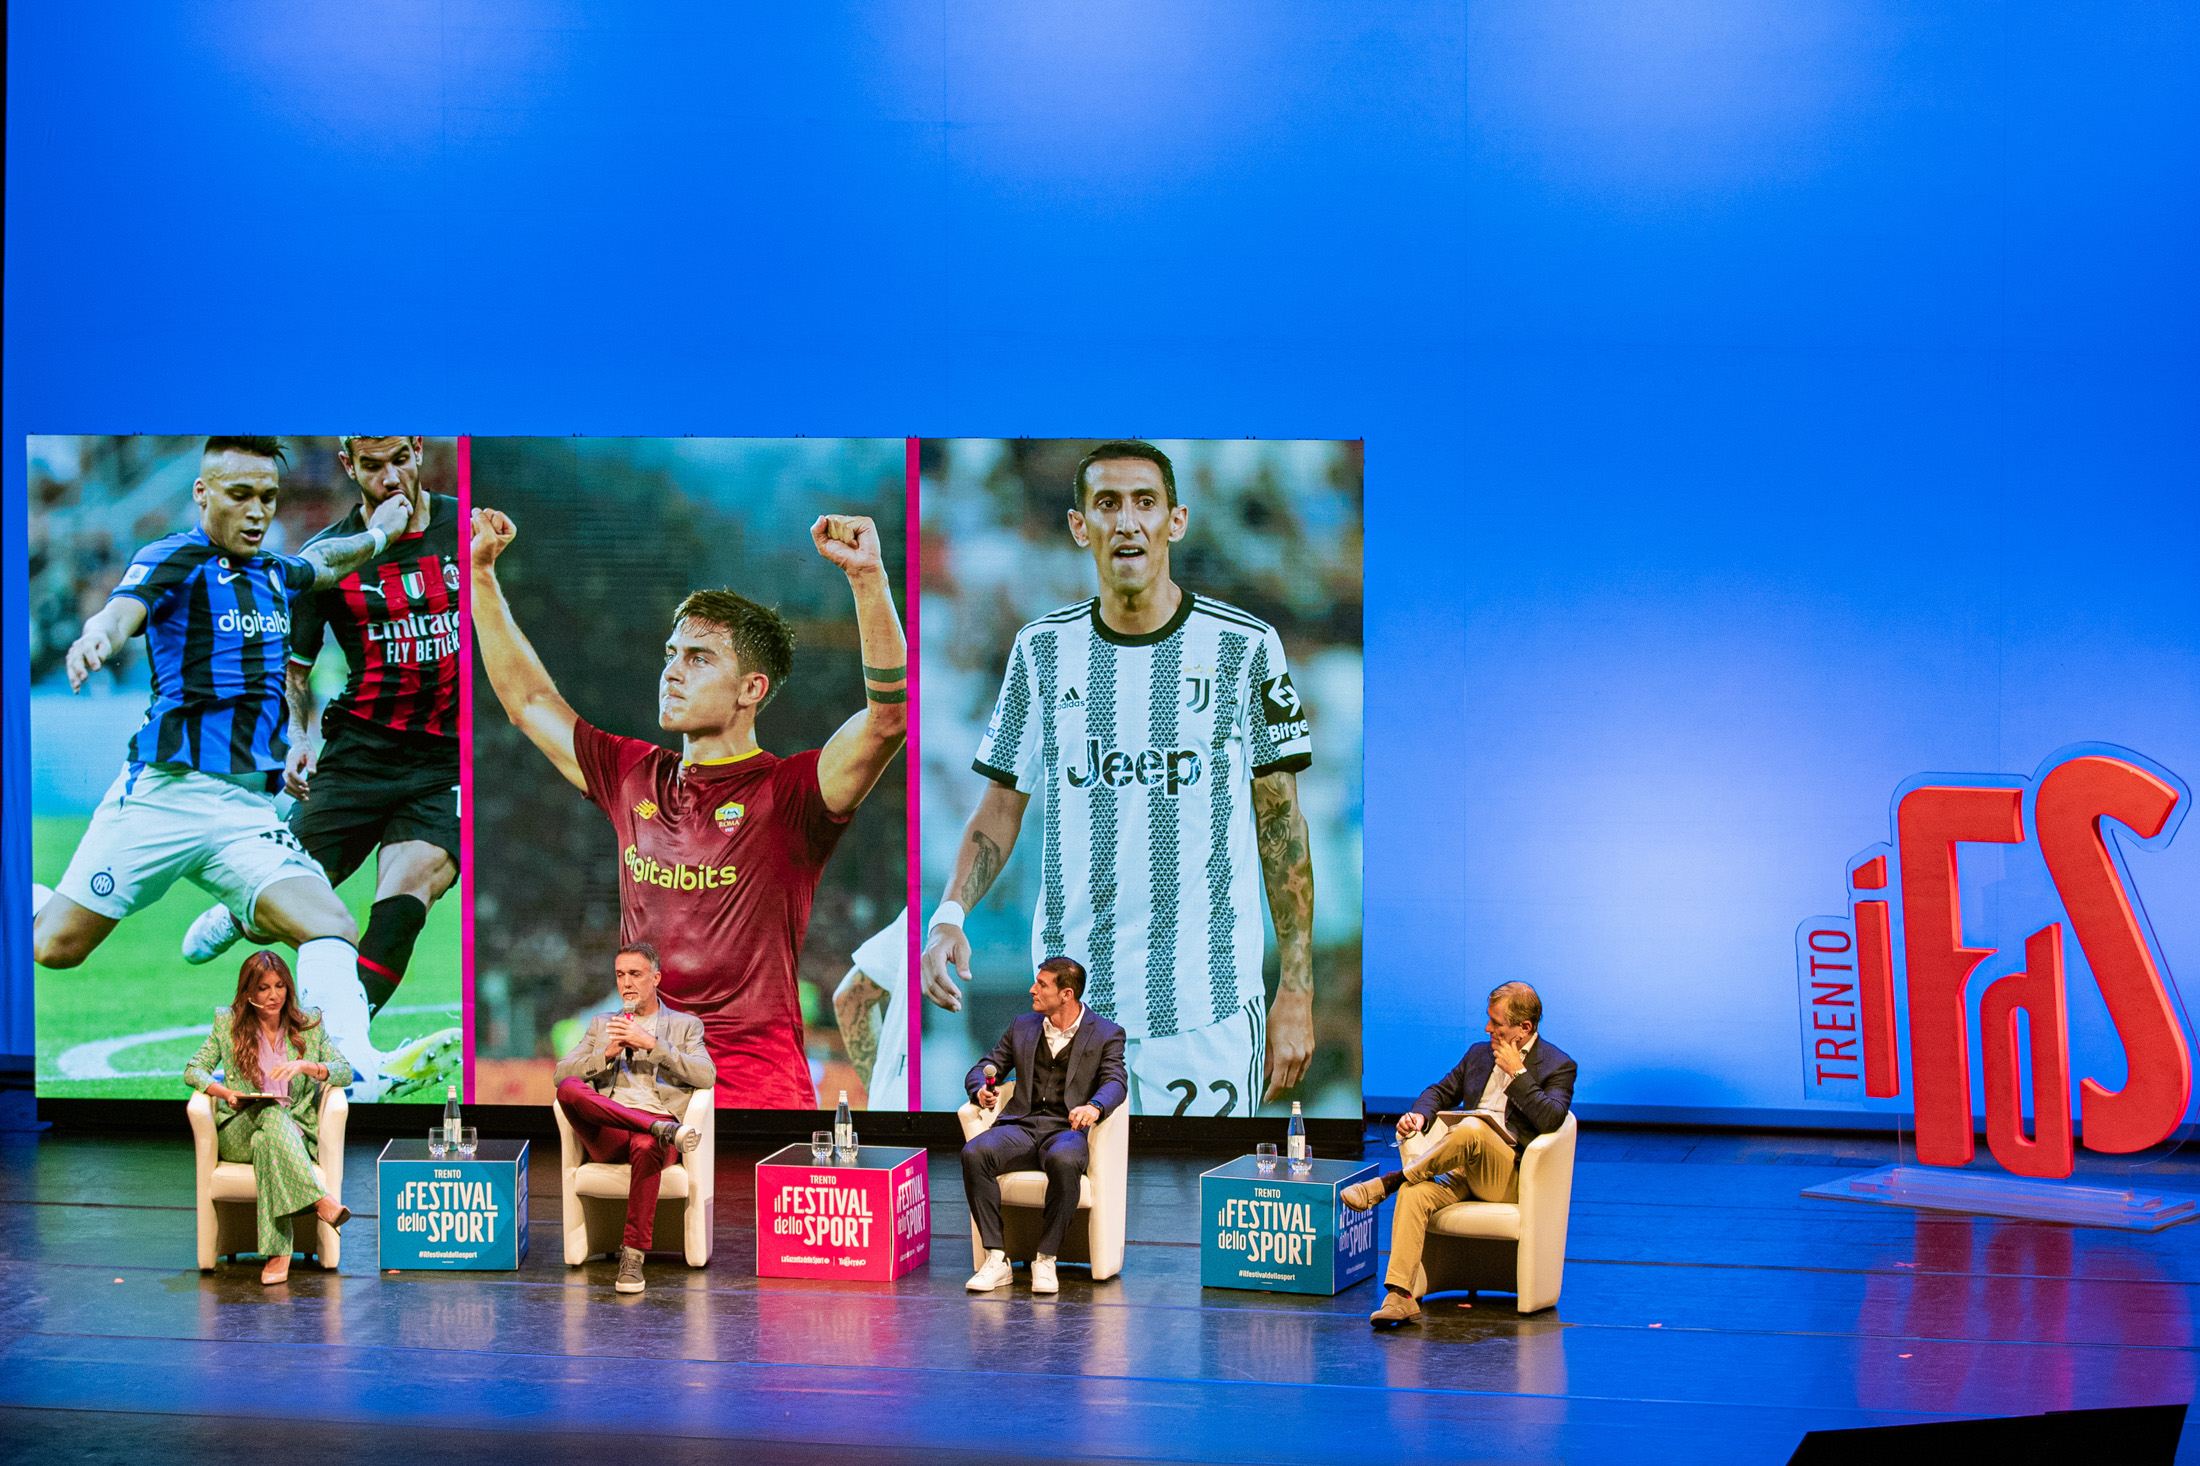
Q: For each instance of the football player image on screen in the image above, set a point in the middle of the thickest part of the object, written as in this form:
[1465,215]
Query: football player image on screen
[1160,731]
[196,795]
[721,844]
[871,1007]
[377,771]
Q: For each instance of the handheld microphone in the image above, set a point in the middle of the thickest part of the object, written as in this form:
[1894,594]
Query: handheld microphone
[991,1074]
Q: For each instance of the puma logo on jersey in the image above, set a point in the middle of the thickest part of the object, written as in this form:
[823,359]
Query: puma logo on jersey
[1173,769]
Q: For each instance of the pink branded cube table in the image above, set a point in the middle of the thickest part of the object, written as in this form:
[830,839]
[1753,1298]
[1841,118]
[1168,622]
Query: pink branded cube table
[871,1218]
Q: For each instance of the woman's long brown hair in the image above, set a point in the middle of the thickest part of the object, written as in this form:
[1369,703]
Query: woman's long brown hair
[244,1019]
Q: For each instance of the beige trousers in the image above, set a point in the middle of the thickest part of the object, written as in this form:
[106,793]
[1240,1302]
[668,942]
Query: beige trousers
[1471,1163]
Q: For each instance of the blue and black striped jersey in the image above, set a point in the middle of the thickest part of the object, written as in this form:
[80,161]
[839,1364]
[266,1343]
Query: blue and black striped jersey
[215,630]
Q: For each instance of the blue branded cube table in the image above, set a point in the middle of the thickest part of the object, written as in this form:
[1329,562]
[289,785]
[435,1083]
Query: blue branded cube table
[1284,1233]
[453,1213]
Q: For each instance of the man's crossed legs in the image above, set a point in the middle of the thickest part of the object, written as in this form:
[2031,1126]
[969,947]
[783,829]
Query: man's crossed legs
[613,1134]
[1471,1162]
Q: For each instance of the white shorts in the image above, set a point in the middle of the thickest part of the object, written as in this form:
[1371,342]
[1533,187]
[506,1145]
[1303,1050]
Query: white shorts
[1211,1071]
[160,822]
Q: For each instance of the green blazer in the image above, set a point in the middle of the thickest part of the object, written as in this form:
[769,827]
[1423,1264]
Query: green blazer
[218,1053]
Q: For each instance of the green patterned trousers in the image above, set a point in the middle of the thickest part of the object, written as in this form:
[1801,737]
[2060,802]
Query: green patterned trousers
[282,1168]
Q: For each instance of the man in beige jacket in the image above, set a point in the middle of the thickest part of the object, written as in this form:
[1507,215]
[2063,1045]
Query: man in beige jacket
[624,1087]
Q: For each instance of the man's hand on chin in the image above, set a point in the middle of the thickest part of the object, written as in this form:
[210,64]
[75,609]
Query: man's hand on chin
[1508,1056]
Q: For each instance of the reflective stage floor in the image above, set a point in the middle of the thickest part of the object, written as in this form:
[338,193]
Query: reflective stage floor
[1710,1313]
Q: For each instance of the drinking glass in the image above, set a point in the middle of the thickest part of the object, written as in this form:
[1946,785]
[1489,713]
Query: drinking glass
[439,1144]
[848,1156]
[469,1139]
[1264,1157]
[821,1146]
[1301,1164]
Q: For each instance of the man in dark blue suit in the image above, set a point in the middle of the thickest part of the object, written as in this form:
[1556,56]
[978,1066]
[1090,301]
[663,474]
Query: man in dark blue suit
[1068,1063]
[1518,1076]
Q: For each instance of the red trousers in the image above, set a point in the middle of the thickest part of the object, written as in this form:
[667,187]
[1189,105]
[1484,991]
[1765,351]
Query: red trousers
[616,1135]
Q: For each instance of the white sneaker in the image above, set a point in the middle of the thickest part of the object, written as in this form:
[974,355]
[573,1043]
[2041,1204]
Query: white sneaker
[214,933]
[1042,1275]
[995,1273]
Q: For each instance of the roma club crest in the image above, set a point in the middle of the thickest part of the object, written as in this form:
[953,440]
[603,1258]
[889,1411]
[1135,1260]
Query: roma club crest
[729,817]
[2003,916]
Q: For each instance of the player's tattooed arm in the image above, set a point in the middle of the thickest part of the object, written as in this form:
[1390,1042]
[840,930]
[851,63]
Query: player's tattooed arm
[107,628]
[1287,868]
[305,727]
[858,754]
[531,700]
[987,842]
[856,1004]
[332,560]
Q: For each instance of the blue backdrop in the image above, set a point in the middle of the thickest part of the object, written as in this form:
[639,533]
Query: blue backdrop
[1764,403]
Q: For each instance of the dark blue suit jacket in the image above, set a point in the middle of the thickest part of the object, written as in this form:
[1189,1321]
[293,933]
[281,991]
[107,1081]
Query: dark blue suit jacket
[1536,1101]
[1096,1073]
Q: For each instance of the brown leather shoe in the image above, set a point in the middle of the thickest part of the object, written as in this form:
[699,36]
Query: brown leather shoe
[1397,1308]
[1364,1195]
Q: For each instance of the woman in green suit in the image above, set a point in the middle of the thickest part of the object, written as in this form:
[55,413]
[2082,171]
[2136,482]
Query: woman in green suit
[269,1045]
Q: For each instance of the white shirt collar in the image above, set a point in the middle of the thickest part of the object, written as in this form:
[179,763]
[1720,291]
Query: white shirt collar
[1068,1032]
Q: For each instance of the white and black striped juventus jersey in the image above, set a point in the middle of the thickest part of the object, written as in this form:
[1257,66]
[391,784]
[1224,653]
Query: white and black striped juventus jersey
[1141,751]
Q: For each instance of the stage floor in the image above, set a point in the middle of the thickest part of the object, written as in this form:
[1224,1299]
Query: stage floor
[1710,1312]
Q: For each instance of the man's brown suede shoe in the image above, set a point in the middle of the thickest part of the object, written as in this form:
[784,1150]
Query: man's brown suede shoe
[1363,1196]
[1397,1308]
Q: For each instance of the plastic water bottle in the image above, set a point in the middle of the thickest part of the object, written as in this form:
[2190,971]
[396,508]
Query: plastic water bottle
[1295,1142]
[450,1114]
[843,1126]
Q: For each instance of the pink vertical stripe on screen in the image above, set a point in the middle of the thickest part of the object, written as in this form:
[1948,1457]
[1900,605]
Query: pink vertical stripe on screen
[466,757]
[912,979]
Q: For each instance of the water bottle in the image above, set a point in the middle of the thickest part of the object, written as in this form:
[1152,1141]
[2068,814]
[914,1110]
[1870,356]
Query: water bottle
[450,1114]
[1295,1143]
[843,1126]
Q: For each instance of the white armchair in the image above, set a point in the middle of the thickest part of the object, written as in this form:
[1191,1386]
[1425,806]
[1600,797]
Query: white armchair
[1095,1237]
[229,1196]
[594,1192]
[1498,1246]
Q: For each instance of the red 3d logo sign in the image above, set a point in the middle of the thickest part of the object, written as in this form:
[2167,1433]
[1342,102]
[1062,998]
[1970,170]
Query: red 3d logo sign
[2018,890]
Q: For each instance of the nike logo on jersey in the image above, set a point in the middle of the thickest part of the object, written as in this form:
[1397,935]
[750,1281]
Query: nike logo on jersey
[1171,769]
[225,579]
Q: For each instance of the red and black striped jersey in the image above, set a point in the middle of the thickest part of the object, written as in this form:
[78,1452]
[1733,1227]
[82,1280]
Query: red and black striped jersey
[397,619]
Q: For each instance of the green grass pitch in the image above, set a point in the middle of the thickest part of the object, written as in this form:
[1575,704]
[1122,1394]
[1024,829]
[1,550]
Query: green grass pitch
[137,982]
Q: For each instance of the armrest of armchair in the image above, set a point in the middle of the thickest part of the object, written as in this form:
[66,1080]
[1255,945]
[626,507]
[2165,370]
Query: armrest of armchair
[335,1114]
[701,1162]
[1547,1177]
[569,1146]
[976,1122]
[204,1145]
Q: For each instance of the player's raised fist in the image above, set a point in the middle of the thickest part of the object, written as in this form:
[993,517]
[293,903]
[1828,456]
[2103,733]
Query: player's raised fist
[86,655]
[493,530]
[849,541]
[393,516]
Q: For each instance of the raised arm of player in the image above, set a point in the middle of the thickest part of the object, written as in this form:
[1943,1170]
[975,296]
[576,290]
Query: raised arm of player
[334,559]
[522,683]
[1288,871]
[856,755]
[987,841]
[107,628]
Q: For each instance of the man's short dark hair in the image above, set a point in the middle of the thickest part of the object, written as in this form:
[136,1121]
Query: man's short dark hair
[1122,448]
[1068,974]
[258,447]
[642,950]
[762,638]
[1520,1002]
